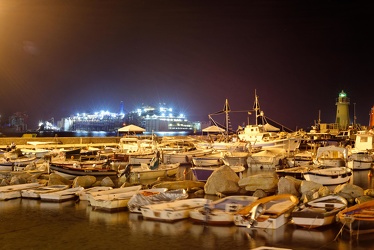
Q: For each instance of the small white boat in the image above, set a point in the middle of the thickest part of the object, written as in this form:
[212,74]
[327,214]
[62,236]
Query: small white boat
[268,158]
[172,211]
[14,191]
[60,196]
[360,160]
[84,194]
[113,200]
[154,196]
[332,156]
[214,159]
[269,212]
[221,212]
[143,173]
[326,175]
[235,158]
[184,157]
[319,212]
[34,193]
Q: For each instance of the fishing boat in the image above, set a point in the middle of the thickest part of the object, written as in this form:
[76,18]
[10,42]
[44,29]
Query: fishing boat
[60,196]
[154,196]
[327,175]
[273,212]
[172,211]
[214,159]
[144,173]
[70,169]
[358,219]
[14,191]
[221,211]
[113,200]
[34,193]
[203,173]
[319,212]
[263,134]
[360,160]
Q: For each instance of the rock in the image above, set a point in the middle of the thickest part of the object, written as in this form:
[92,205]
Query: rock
[56,179]
[4,182]
[260,193]
[84,181]
[309,186]
[349,191]
[287,186]
[107,182]
[267,182]
[323,191]
[223,180]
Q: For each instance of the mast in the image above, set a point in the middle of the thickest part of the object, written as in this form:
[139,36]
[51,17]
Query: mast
[256,107]
[226,109]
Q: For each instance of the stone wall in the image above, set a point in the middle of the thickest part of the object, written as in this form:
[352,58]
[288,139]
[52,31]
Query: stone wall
[4,141]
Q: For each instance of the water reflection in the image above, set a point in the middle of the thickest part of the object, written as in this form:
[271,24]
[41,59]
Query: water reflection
[49,225]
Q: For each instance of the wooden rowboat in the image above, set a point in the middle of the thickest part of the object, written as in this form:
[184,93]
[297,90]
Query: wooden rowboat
[273,212]
[358,219]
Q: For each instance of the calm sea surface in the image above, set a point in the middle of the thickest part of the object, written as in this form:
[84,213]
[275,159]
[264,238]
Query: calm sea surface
[32,224]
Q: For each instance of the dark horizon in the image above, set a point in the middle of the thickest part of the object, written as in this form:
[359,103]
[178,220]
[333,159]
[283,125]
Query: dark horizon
[61,57]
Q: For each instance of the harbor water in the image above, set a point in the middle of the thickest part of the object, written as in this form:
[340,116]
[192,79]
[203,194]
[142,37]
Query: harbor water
[32,224]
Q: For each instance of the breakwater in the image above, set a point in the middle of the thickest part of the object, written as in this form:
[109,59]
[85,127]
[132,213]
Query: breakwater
[53,142]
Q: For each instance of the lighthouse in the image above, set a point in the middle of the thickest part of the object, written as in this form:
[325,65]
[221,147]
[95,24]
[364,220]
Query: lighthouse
[342,111]
[371,121]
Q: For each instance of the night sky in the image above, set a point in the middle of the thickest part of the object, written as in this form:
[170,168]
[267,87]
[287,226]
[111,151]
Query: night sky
[61,57]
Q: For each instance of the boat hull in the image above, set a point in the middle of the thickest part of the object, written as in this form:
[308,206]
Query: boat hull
[172,211]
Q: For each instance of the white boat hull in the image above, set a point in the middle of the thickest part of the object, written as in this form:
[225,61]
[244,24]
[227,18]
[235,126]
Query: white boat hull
[172,211]
[329,176]
[61,196]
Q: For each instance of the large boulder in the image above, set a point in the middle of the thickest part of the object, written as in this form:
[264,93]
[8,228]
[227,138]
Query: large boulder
[106,182]
[223,180]
[287,186]
[349,191]
[267,182]
[56,179]
[85,181]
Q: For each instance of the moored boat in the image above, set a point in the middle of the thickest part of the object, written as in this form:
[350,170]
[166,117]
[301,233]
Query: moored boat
[71,169]
[273,212]
[221,212]
[358,219]
[34,193]
[60,196]
[327,175]
[144,173]
[114,199]
[172,211]
[154,196]
[319,212]
[14,191]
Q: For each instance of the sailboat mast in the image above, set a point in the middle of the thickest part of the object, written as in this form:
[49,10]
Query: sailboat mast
[256,107]
[227,109]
